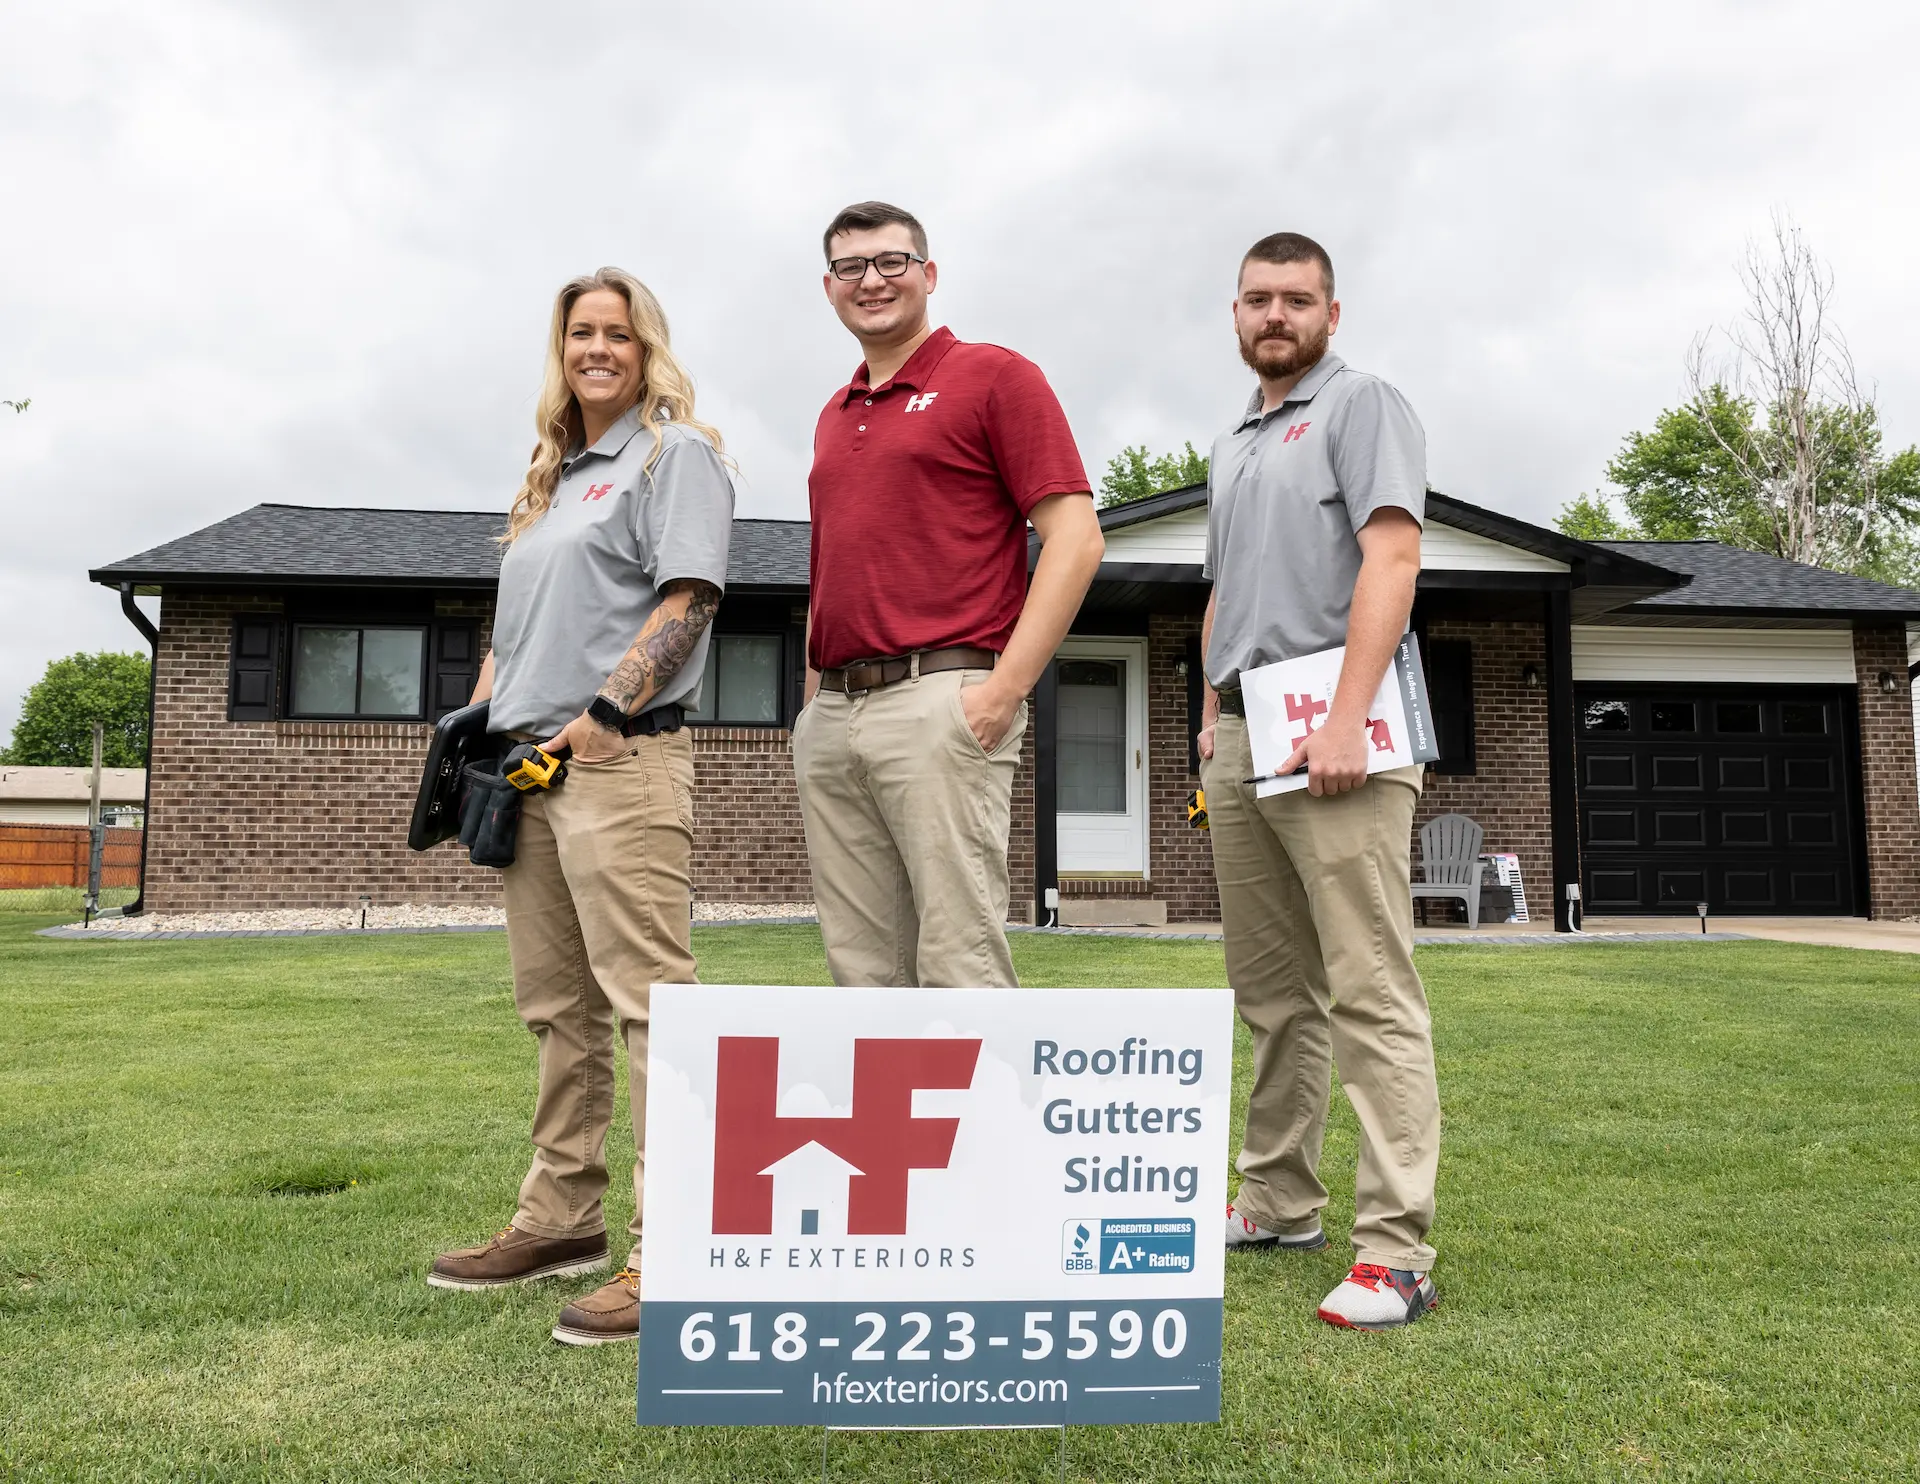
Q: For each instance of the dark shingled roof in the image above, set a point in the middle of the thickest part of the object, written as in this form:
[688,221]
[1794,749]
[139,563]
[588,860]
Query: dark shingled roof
[1728,580]
[297,545]
[303,544]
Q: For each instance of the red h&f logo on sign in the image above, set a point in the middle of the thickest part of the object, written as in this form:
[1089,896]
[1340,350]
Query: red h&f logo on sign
[881,1139]
[1308,709]
[1295,431]
[596,492]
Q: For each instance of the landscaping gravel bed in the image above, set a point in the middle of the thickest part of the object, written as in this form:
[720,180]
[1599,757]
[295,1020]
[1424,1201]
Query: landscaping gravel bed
[381,919]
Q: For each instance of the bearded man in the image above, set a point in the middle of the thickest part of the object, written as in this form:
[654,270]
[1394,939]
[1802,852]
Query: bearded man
[1313,541]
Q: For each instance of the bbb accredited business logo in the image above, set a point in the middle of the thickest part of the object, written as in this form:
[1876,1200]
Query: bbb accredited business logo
[1148,1245]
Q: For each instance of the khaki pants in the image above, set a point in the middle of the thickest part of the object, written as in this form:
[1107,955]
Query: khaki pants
[598,910]
[906,823]
[1319,938]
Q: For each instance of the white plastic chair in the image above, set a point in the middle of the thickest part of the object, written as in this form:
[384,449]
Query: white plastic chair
[1450,863]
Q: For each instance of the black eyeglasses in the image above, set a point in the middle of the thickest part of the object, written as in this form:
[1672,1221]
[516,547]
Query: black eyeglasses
[886,264]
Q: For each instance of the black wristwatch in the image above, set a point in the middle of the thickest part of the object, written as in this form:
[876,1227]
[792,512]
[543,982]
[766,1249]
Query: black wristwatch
[605,713]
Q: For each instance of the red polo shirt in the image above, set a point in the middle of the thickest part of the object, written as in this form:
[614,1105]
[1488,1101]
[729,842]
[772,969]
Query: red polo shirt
[920,492]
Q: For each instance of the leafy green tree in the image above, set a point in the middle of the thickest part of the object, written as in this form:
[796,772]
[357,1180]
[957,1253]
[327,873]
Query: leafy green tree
[1133,474]
[1691,478]
[1591,518]
[1679,483]
[1897,561]
[55,728]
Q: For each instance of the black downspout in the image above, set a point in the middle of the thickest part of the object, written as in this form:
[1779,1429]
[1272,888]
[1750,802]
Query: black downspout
[1046,818]
[1563,801]
[152,635]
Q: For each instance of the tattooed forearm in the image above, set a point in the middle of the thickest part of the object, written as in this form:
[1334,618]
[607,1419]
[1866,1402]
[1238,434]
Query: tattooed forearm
[663,645]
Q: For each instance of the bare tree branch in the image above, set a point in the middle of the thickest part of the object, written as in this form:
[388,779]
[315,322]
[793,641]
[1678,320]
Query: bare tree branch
[1810,458]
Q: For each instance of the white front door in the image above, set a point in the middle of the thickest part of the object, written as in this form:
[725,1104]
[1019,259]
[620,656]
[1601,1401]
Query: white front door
[1100,756]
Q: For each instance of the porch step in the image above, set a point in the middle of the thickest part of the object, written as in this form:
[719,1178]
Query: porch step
[1104,886]
[1110,901]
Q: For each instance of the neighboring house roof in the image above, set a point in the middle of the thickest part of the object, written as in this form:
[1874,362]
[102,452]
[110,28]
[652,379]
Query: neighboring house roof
[304,545]
[1729,581]
[68,785]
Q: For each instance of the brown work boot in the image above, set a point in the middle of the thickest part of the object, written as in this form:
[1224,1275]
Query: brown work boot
[604,1317]
[514,1256]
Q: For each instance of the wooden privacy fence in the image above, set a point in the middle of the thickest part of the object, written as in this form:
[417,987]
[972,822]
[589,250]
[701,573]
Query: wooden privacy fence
[56,855]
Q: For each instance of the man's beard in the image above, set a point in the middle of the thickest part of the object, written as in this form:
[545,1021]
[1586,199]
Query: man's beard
[1273,358]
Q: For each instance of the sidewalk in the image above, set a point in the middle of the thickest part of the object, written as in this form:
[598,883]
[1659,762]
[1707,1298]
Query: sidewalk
[1829,932]
[1489,935]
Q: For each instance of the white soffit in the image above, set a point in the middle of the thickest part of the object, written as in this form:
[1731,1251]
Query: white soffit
[1181,538]
[1710,656]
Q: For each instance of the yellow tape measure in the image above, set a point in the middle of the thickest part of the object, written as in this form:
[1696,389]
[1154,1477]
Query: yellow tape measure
[528,767]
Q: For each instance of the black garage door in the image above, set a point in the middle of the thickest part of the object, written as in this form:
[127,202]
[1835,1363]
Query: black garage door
[1742,797]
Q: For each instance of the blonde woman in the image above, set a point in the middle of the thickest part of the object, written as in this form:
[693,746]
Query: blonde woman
[616,557]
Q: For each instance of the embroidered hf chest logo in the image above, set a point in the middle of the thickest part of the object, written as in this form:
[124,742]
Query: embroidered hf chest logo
[1298,430]
[596,492]
[921,402]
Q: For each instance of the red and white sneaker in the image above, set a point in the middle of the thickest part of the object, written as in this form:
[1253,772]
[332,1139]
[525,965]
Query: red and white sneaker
[1242,1232]
[1373,1297]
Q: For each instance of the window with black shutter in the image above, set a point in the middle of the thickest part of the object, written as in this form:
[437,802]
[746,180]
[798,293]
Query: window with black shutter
[348,672]
[1449,665]
[253,676]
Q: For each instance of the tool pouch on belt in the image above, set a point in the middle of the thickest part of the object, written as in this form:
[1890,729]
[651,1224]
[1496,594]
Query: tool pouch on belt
[489,816]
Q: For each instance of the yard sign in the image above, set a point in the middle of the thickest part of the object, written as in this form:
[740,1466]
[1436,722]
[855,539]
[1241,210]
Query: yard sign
[934,1207]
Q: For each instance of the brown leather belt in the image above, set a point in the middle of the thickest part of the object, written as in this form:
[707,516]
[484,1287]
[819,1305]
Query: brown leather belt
[857,680]
[1232,703]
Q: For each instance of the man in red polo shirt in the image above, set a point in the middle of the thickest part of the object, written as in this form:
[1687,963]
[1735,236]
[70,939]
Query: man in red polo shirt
[925,636]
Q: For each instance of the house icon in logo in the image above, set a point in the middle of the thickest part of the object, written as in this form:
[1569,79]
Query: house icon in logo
[810,1191]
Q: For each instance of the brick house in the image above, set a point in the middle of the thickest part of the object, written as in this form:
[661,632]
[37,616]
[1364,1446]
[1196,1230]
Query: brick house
[1662,723]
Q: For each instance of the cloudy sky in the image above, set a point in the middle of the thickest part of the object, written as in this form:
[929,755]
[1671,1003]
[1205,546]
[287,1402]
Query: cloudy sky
[306,252]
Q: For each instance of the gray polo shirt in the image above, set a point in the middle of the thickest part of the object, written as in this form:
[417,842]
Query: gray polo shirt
[1286,492]
[578,586]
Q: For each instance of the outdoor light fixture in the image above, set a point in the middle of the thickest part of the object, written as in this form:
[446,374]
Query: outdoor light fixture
[1180,668]
[365,902]
[1887,683]
[1530,675]
[1701,908]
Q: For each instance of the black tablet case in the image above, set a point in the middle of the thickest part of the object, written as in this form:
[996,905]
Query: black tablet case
[459,738]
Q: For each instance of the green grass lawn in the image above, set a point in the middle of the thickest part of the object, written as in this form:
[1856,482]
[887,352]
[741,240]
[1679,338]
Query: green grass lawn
[1680,1218]
[71,899]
